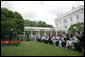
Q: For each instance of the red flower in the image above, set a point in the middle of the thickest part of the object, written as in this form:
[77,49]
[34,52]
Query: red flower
[7,41]
[2,41]
[11,41]
[14,41]
[18,40]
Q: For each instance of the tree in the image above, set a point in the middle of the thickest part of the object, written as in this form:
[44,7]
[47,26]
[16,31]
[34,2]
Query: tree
[10,20]
[27,23]
[36,24]
[79,27]
[18,15]
[50,26]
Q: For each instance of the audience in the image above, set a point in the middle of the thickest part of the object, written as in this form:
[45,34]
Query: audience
[75,41]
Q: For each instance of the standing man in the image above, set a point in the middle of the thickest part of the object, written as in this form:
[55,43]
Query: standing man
[27,37]
[11,34]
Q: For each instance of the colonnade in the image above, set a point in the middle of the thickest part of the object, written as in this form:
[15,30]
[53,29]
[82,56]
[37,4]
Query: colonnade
[46,33]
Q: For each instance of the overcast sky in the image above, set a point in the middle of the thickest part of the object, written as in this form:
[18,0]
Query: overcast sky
[41,10]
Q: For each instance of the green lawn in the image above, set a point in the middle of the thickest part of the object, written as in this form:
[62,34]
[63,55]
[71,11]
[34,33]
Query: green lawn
[30,48]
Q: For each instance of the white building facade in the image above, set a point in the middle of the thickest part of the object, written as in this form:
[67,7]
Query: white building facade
[74,16]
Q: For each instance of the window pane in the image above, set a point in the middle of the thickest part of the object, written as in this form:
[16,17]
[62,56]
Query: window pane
[65,21]
[71,18]
[77,16]
[65,27]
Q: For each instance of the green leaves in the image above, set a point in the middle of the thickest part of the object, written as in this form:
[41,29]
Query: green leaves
[10,20]
[79,26]
[36,24]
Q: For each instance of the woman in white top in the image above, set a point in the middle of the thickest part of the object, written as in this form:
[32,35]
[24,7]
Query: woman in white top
[54,40]
[76,40]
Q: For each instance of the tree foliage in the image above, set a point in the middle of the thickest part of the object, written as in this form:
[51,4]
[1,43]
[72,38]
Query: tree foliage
[36,24]
[10,19]
[79,26]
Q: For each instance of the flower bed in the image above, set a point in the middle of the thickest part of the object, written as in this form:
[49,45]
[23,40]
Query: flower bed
[10,43]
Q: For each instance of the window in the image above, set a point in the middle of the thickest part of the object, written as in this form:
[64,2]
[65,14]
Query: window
[65,21]
[71,18]
[65,27]
[77,16]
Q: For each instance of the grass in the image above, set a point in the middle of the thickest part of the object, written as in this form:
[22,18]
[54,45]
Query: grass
[30,48]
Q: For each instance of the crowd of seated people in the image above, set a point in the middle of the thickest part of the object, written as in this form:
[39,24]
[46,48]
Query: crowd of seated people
[75,41]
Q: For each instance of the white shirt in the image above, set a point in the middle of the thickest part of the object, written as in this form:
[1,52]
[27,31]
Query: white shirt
[75,40]
[57,38]
[53,39]
[43,38]
[47,38]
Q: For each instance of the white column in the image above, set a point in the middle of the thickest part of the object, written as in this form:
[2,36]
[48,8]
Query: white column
[38,33]
[51,32]
[56,33]
[31,34]
[45,33]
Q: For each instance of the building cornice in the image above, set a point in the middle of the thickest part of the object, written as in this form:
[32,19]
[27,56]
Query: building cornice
[70,12]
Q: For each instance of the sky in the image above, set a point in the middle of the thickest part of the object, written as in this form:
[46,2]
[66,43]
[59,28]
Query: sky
[45,11]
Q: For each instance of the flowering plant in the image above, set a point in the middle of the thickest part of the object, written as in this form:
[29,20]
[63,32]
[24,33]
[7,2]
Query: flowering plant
[18,40]
[8,42]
